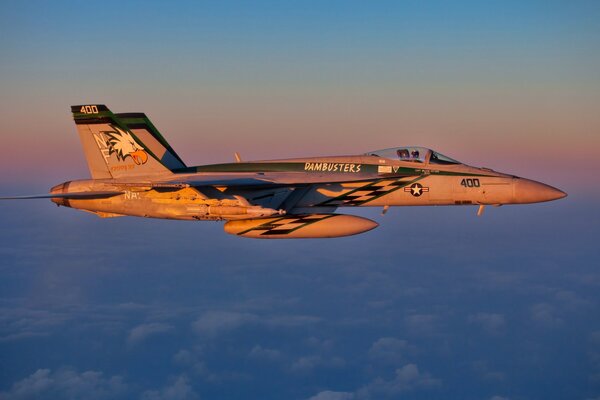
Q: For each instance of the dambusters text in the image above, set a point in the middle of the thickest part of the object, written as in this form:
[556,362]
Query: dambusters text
[332,167]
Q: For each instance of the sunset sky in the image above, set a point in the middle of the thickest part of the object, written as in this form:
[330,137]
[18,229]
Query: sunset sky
[435,303]
[514,86]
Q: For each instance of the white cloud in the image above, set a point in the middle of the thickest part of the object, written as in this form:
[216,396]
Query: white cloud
[421,323]
[390,349]
[491,323]
[308,363]
[67,383]
[498,398]
[262,353]
[143,331]
[180,389]
[192,362]
[410,375]
[320,344]
[18,323]
[483,369]
[22,335]
[595,338]
[214,323]
[544,314]
[184,357]
[131,306]
[405,379]
[329,395]
[291,320]
[571,300]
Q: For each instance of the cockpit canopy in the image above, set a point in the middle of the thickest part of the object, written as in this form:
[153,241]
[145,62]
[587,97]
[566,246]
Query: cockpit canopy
[413,154]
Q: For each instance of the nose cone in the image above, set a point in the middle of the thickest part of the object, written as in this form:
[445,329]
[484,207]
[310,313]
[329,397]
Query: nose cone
[528,191]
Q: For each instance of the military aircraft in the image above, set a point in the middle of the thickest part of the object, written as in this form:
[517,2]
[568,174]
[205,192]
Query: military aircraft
[135,172]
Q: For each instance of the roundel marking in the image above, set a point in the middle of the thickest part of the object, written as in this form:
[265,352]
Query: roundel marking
[416,189]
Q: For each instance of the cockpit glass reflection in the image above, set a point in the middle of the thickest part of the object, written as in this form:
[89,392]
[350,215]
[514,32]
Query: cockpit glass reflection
[414,154]
[437,158]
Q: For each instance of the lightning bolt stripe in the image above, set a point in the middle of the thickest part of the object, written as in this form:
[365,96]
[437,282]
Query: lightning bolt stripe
[287,224]
[370,191]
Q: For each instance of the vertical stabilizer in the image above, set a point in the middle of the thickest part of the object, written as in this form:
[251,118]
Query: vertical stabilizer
[144,129]
[111,149]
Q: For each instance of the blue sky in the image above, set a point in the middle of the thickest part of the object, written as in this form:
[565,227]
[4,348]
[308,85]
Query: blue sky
[434,303]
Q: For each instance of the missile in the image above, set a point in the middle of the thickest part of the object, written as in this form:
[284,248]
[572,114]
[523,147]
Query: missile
[300,226]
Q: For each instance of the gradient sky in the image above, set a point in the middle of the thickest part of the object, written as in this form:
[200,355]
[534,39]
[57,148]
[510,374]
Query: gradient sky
[510,85]
[434,303]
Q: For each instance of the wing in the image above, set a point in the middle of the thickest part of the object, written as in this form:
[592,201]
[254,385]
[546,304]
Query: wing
[276,190]
[266,179]
[74,195]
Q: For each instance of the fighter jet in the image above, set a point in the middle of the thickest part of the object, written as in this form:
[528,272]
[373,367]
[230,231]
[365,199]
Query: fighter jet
[134,172]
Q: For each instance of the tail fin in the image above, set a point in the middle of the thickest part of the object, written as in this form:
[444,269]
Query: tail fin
[140,125]
[111,149]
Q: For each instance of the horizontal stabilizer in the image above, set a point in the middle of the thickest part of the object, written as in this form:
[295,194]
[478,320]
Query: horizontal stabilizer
[74,195]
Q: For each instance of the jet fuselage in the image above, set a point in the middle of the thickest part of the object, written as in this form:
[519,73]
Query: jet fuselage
[135,172]
[361,181]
